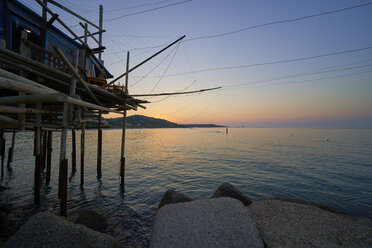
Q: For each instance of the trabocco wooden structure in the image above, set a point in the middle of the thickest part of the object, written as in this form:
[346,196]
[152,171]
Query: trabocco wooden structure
[50,81]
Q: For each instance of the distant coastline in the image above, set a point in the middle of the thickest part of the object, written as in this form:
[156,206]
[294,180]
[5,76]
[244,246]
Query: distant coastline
[141,121]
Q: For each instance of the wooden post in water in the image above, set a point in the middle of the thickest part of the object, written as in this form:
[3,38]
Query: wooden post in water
[73,153]
[11,149]
[71,108]
[99,146]
[2,151]
[37,150]
[122,156]
[44,149]
[82,149]
[63,185]
[49,156]
[63,162]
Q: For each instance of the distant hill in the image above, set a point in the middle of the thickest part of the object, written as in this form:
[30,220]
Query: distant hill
[141,121]
[201,125]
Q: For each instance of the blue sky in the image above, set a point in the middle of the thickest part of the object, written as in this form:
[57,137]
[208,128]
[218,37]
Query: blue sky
[337,90]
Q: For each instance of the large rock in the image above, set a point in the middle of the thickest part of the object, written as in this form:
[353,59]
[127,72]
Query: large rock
[227,190]
[289,224]
[48,230]
[172,196]
[221,222]
[92,219]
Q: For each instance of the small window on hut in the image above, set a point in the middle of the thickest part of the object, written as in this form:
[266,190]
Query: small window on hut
[33,35]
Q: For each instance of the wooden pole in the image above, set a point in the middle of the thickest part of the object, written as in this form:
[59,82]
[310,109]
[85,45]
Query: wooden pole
[49,156]
[63,186]
[23,52]
[100,33]
[44,28]
[73,13]
[71,108]
[37,150]
[2,151]
[62,154]
[11,150]
[82,149]
[135,67]
[61,22]
[122,157]
[99,145]
[43,149]
[76,74]
[73,153]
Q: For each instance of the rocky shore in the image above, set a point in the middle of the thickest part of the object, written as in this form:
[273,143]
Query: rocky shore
[227,219]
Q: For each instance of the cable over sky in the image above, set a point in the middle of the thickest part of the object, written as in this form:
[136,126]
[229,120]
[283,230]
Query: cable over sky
[273,62]
[279,22]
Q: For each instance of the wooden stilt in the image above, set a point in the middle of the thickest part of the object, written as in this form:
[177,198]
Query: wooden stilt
[44,150]
[82,150]
[11,149]
[2,151]
[62,154]
[73,153]
[122,156]
[37,172]
[63,187]
[38,156]
[49,156]
[99,146]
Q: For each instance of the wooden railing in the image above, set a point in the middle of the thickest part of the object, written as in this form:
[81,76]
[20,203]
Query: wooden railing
[44,56]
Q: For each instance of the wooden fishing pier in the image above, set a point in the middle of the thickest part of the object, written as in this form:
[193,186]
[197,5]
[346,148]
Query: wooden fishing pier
[52,82]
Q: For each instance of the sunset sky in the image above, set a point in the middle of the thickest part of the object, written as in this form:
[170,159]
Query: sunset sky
[334,90]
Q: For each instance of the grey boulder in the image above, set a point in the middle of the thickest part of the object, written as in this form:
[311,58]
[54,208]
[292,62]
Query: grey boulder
[172,196]
[222,222]
[48,230]
[227,190]
[93,219]
[290,224]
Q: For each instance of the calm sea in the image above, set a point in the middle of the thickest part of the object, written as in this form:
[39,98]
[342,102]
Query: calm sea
[328,166]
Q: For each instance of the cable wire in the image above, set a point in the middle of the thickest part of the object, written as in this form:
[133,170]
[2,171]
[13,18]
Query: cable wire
[273,62]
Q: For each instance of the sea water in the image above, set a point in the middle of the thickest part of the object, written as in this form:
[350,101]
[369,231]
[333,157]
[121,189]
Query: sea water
[327,166]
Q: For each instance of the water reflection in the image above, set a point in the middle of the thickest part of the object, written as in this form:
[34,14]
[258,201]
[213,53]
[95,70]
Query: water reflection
[262,163]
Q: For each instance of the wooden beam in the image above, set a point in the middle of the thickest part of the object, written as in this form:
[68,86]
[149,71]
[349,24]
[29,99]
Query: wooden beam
[89,33]
[7,119]
[30,89]
[95,33]
[51,20]
[62,23]
[13,110]
[122,155]
[135,67]
[43,98]
[73,13]
[76,74]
